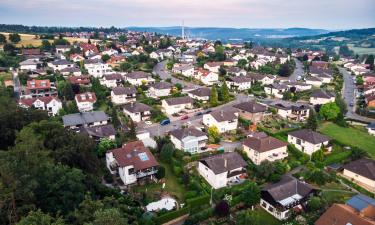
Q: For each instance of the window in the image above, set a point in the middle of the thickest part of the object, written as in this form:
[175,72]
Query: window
[298,141]
[131,171]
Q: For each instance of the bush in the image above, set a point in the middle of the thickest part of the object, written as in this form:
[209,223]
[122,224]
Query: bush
[172,215]
[198,201]
[222,208]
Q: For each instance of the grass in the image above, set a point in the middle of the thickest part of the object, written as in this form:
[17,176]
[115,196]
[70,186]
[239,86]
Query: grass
[266,218]
[350,136]
[336,196]
[171,185]
[361,50]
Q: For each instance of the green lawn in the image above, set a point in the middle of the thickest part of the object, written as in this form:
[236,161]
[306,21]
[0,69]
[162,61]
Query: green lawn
[171,186]
[266,218]
[350,136]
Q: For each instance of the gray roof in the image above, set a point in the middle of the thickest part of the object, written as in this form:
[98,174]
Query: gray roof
[251,107]
[84,118]
[322,94]
[136,107]
[217,162]
[179,100]
[201,92]
[221,115]
[364,167]
[309,136]
[30,62]
[61,62]
[100,131]
[138,75]
[185,132]
[70,69]
[162,85]
[287,187]
[277,86]
[93,61]
[264,144]
[240,79]
[124,90]
[113,76]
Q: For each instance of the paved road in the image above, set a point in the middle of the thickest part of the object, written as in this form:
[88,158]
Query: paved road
[349,96]
[165,74]
[298,71]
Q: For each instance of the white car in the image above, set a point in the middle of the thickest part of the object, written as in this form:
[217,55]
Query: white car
[148,122]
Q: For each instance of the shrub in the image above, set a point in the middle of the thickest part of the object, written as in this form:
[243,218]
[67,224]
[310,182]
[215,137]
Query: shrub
[222,208]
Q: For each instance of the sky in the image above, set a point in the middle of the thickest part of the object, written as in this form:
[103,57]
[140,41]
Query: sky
[325,14]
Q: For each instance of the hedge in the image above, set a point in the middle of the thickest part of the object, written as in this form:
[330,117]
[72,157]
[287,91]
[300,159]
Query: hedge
[172,215]
[198,201]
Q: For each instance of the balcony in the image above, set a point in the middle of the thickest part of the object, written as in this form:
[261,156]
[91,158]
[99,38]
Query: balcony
[146,172]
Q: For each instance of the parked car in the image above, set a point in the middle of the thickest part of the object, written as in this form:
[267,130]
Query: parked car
[185,117]
[199,114]
[148,122]
[208,111]
[165,122]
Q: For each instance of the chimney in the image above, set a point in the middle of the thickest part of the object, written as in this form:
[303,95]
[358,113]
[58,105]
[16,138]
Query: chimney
[225,162]
[221,113]
[132,104]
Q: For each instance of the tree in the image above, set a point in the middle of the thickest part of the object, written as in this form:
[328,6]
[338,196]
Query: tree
[9,48]
[341,104]
[224,92]
[161,173]
[329,111]
[213,97]
[125,66]
[325,58]
[111,216]
[14,38]
[132,130]
[251,195]
[369,60]
[104,145]
[358,153]
[345,51]
[122,38]
[105,57]
[318,156]
[65,90]
[40,218]
[248,217]
[284,70]
[222,208]
[166,152]
[3,39]
[242,63]
[213,134]
[265,170]
[314,204]
[312,121]
[46,45]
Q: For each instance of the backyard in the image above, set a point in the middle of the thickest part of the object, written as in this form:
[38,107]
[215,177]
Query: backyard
[350,136]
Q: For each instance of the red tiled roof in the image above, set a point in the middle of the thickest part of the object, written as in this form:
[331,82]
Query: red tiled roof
[29,101]
[38,84]
[86,97]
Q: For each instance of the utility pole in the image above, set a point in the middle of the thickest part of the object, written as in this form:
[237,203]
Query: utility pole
[183,30]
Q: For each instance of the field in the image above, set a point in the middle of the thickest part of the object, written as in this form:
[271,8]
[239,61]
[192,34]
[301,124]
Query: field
[350,136]
[30,39]
[361,50]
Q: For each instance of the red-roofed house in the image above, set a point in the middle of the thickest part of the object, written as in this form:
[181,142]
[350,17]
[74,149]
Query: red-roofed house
[132,162]
[85,101]
[207,77]
[89,49]
[40,88]
[76,57]
[50,104]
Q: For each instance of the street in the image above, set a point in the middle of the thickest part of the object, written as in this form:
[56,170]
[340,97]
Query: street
[349,96]
[298,71]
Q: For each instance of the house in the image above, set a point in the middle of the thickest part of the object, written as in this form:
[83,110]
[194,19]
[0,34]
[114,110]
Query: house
[224,120]
[371,128]
[40,88]
[116,60]
[176,105]
[223,169]
[200,94]
[251,110]
[85,101]
[61,49]
[132,162]
[189,140]
[276,89]
[259,149]
[264,79]
[139,78]
[85,119]
[96,67]
[123,95]
[361,172]
[71,71]
[284,197]
[296,111]
[30,64]
[137,111]
[109,52]
[314,81]
[76,57]
[206,77]
[213,66]
[99,132]
[58,65]
[48,103]
[236,71]
[320,64]
[308,141]
[297,86]
[161,89]
[239,83]
[88,49]
[111,80]
[185,69]
[357,210]
[320,97]
[79,80]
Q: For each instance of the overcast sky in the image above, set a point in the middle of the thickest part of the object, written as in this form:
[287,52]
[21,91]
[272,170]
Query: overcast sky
[327,14]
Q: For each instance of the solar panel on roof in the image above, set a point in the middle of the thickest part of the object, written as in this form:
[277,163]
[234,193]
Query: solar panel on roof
[143,156]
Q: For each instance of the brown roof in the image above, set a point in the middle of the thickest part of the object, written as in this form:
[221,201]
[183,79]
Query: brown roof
[264,144]
[86,97]
[185,132]
[162,85]
[124,90]
[29,101]
[138,75]
[201,92]
[240,79]
[322,94]
[114,76]
[179,100]
[136,107]
[135,154]
[85,80]
[340,214]
[214,64]
[221,115]
[217,162]
[309,136]
[364,167]
[251,107]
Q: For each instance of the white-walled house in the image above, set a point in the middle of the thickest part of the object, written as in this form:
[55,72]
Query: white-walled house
[224,120]
[85,119]
[276,89]
[160,89]
[281,198]
[139,78]
[48,103]
[189,140]
[185,69]
[220,170]
[296,111]
[176,105]
[200,94]
[320,97]
[137,111]
[239,83]
[361,172]
[111,80]
[123,95]
[97,68]
[132,162]
[30,64]
[58,65]
[308,141]
[213,66]
[260,149]
[207,77]
[61,49]
[85,101]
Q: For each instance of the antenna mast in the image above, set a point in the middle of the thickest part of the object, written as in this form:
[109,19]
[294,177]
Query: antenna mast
[183,30]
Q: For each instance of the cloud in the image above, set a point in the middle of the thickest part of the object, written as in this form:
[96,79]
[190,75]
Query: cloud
[332,14]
